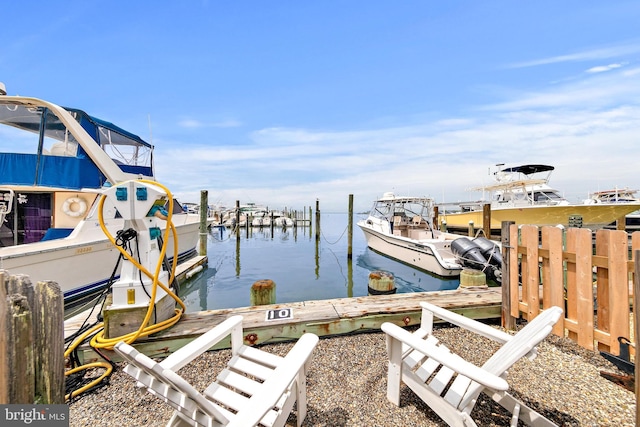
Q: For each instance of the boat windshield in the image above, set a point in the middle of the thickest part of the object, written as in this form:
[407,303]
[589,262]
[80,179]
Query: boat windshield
[402,207]
[56,139]
[546,196]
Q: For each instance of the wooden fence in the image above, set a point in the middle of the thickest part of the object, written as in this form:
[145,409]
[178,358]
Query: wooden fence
[31,341]
[591,281]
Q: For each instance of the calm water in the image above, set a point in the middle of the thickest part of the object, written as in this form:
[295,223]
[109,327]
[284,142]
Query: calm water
[302,268]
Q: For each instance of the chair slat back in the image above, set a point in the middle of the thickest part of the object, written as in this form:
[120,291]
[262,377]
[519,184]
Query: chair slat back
[523,342]
[168,385]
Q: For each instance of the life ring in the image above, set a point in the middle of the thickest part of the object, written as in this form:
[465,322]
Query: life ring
[79,211]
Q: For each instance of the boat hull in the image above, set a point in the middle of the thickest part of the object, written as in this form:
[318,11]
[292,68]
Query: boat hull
[415,253]
[85,262]
[593,216]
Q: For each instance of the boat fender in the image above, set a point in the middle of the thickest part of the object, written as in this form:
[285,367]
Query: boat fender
[489,250]
[74,207]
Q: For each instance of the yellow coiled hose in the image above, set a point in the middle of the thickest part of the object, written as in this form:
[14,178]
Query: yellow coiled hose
[99,341]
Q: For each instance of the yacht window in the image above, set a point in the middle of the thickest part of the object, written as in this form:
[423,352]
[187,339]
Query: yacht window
[13,139]
[58,141]
[544,196]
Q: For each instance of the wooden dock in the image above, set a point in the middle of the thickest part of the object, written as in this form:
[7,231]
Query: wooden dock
[288,321]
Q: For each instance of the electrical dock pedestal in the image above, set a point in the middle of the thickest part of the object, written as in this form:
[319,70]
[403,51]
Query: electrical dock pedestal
[137,289]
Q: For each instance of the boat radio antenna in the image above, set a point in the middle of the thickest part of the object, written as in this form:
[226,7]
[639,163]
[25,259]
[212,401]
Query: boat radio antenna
[150,131]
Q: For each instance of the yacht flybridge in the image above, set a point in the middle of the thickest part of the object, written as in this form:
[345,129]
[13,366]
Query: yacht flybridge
[522,194]
[55,163]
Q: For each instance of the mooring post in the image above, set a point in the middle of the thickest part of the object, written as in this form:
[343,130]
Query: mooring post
[237,227]
[486,220]
[621,223]
[350,230]
[471,231]
[317,219]
[204,214]
[263,292]
[471,278]
[381,283]
[434,220]
[272,223]
[508,321]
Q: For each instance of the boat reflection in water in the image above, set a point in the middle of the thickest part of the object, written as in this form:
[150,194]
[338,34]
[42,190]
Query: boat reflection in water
[407,278]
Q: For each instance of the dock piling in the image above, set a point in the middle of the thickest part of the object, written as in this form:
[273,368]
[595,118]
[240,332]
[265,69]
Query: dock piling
[470,277]
[381,283]
[263,292]
[204,213]
[350,228]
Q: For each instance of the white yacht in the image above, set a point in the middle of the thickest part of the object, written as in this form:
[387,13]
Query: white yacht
[522,194]
[55,163]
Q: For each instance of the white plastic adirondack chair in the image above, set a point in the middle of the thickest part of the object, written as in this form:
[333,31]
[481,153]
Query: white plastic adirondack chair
[449,384]
[256,387]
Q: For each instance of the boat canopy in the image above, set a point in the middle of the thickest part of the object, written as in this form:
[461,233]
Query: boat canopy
[529,169]
[129,151]
[52,156]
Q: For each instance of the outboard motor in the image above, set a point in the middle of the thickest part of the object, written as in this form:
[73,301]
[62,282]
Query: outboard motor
[489,250]
[469,253]
[473,255]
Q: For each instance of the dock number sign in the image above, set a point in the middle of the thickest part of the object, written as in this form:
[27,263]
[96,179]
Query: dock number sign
[280,314]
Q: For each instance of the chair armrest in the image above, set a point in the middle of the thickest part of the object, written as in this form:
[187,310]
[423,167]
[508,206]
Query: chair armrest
[467,323]
[446,358]
[272,389]
[201,344]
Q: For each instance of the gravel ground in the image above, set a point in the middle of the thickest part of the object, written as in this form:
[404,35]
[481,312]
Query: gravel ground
[347,387]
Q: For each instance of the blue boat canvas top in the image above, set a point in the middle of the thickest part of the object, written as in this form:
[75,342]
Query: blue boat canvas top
[49,155]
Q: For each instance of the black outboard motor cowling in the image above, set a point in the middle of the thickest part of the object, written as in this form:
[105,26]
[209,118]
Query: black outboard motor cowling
[472,256]
[489,250]
[469,253]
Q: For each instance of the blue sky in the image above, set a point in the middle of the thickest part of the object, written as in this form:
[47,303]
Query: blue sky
[282,103]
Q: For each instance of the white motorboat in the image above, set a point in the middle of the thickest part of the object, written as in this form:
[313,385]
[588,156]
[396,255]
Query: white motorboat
[615,196]
[400,228]
[284,221]
[519,196]
[55,163]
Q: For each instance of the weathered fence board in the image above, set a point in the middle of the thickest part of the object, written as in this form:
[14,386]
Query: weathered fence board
[49,342]
[19,335]
[513,274]
[592,282]
[4,352]
[553,272]
[31,341]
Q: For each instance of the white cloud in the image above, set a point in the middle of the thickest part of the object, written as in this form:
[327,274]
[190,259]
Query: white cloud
[196,124]
[587,127]
[190,123]
[629,48]
[603,68]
